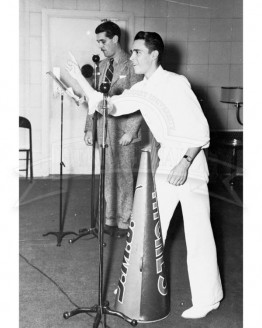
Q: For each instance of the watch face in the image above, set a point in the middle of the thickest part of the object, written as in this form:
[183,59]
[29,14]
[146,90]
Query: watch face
[188,158]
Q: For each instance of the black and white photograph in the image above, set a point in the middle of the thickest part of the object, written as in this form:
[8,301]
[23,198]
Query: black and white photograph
[129,187]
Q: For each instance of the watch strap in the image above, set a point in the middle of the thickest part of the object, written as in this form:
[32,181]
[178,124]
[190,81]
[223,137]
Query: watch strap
[188,158]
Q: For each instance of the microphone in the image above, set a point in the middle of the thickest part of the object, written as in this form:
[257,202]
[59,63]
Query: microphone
[104,88]
[96,58]
[87,71]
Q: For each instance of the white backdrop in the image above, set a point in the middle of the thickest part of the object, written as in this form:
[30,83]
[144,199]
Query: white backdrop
[65,31]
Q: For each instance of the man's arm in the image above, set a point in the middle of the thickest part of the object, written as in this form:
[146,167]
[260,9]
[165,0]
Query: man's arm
[132,126]
[178,175]
[88,137]
[94,97]
[134,121]
[91,94]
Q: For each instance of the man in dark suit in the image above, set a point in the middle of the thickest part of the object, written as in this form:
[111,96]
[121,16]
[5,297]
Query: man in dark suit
[123,133]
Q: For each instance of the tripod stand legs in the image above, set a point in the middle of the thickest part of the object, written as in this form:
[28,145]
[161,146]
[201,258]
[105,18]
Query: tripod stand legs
[105,309]
[92,230]
[59,235]
[84,232]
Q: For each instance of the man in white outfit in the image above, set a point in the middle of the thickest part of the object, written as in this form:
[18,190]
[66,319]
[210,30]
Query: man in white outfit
[174,116]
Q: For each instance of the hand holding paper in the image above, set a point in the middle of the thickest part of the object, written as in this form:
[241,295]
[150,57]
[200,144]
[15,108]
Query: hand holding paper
[72,67]
[71,94]
[72,57]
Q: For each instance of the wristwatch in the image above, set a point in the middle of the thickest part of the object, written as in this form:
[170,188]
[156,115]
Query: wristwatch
[188,158]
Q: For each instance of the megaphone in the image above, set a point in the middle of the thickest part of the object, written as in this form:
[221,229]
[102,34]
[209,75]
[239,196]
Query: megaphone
[142,291]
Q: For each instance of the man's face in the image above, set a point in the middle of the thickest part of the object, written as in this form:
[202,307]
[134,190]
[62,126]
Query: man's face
[107,46]
[141,58]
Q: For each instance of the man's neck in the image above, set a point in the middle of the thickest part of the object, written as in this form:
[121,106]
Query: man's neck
[151,70]
[117,53]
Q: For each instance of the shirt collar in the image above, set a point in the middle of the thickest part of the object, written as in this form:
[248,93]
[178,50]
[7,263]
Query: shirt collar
[155,76]
[119,56]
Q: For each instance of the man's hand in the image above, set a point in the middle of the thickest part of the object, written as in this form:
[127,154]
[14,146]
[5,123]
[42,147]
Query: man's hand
[126,139]
[73,69]
[178,175]
[88,138]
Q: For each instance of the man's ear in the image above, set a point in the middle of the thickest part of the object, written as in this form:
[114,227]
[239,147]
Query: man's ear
[115,39]
[155,54]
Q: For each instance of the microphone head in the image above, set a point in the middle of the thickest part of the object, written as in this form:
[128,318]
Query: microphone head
[96,58]
[87,71]
[104,88]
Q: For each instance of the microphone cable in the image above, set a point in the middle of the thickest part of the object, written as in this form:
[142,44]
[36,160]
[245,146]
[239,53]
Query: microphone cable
[50,279]
[57,285]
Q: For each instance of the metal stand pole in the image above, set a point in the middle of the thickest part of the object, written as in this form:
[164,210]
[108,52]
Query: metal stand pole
[61,234]
[102,308]
[92,230]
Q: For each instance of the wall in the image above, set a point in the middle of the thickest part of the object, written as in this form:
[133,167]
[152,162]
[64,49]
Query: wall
[203,41]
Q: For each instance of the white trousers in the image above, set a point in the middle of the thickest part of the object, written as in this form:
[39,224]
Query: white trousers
[202,265]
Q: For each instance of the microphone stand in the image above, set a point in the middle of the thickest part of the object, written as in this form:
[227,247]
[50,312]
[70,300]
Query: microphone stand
[102,308]
[92,230]
[61,234]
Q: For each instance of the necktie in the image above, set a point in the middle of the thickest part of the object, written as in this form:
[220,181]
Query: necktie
[110,72]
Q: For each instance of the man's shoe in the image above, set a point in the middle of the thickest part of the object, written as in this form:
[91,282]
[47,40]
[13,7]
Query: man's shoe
[197,312]
[109,230]
[121,233]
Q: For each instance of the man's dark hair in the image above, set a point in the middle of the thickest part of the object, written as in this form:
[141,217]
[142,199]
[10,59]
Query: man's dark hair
[110,28]
[153,41]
